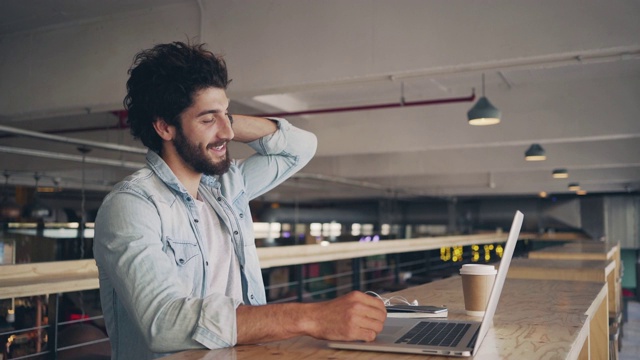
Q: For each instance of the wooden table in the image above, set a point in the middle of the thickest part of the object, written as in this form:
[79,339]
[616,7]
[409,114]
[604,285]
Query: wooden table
[586,251]
[612,249]
[577,270]
[581,250]
[536,319]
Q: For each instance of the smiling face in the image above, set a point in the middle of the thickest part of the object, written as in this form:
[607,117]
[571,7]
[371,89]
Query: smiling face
[201,140]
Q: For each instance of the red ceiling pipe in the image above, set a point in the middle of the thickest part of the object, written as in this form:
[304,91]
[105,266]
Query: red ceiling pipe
[122,114]
[373,107]
[122,118]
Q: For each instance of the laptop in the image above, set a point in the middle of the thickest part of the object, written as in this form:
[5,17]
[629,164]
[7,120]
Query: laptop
[442,337]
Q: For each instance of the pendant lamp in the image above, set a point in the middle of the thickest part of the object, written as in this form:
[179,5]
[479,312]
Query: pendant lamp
[535,153]
[483,112]
[574,187]
[560,174]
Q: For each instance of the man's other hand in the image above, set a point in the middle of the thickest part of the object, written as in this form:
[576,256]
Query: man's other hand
[355,316]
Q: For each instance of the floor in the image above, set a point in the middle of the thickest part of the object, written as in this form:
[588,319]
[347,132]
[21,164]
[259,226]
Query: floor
[631,340]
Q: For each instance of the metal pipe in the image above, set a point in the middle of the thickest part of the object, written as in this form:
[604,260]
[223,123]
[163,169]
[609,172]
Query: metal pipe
[357,183]
[70,157]
[372,107]
[74,141]
[339,180]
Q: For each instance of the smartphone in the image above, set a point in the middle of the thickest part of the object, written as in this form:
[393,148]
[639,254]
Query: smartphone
[416,309]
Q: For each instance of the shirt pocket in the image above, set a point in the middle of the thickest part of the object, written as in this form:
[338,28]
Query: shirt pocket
[184,251]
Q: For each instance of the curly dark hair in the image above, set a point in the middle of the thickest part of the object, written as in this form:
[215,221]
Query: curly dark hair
[162,83]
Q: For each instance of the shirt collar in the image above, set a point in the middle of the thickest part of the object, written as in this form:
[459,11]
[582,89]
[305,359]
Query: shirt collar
[162,170]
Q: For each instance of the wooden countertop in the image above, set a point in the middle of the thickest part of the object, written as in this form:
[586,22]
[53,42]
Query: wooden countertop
[577,251]
[536,319]
[577,270]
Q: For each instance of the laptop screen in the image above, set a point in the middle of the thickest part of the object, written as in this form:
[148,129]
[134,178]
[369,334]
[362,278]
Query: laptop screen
[501,276]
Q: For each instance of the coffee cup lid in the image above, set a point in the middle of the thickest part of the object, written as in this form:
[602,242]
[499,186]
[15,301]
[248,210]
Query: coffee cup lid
[477,269]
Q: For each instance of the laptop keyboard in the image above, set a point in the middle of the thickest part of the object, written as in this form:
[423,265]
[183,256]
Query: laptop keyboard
[435,334]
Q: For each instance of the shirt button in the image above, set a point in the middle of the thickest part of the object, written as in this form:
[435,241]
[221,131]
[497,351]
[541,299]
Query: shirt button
[195,220]
[251,297]
[206,263]
[241,216]
[219,198]
[181,261]
[188,199]
[235,233]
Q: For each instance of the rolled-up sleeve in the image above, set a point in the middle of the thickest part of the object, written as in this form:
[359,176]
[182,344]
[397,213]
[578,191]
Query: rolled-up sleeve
[216,328]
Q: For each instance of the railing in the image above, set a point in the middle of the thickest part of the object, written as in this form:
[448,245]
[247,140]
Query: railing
[46,339]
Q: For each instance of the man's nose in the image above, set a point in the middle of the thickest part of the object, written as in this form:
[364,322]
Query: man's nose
[226,132]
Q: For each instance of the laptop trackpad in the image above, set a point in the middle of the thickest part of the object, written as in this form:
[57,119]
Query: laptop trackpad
[391,333]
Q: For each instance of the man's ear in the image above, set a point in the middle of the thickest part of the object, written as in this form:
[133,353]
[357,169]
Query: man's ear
[164,130]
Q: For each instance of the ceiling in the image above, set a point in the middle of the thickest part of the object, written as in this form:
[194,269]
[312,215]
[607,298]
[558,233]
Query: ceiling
[565,76]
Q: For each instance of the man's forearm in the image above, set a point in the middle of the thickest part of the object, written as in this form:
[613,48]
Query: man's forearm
[257,324]
[354,316]
[249,128]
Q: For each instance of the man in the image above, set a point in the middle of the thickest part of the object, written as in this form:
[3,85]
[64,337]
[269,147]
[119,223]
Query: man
[174,242]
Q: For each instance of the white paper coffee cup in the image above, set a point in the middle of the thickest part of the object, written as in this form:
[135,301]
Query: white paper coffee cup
[477,282]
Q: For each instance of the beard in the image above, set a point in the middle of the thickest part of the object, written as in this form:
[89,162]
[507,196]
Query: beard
[197,158]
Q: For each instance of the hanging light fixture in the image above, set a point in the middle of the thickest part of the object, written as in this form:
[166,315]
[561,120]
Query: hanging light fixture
[483,112]
[9,209]
[36,209]
[535,153]
[560,174]
[574,186]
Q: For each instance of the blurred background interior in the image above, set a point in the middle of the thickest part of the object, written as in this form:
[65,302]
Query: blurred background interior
[433,118]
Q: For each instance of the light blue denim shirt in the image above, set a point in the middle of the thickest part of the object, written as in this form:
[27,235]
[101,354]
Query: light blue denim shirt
[150,253]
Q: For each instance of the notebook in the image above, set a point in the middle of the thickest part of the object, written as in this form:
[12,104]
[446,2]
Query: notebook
[442,336]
